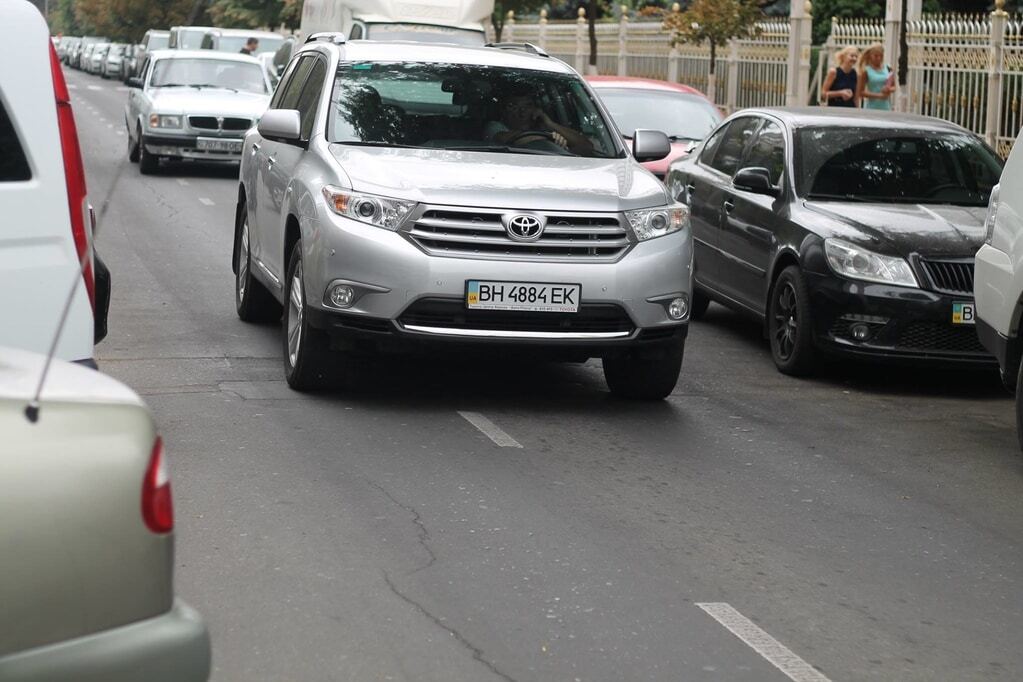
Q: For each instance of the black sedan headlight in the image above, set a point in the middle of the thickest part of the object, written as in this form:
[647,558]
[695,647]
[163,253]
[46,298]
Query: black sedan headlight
[855,262]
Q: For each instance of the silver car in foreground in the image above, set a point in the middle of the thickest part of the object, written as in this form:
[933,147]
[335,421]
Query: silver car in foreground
[402,195]
[193,105]
[86,535]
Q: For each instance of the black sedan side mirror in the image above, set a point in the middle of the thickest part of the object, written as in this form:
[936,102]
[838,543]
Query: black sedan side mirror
[755,179]
[134,82]
[650,145]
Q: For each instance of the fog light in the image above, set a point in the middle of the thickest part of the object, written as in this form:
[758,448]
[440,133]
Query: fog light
[678,308]
[860,332]
[342,295]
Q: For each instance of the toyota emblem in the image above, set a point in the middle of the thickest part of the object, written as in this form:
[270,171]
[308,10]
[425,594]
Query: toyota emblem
[524,228]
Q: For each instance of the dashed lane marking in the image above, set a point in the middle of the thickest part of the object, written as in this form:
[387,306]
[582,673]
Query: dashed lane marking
[122,88]
[204,200]
[94,87]
[183,182]
[72,86]
[490,429]
[776,653]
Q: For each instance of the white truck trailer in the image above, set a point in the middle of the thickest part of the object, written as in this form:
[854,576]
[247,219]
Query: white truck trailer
[447,21]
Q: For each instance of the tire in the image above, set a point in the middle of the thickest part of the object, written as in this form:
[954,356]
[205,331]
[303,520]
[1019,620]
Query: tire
[148,164]
[790,324]
[253,302]
[133,148]
[700,303]
[650,374]
[306,350]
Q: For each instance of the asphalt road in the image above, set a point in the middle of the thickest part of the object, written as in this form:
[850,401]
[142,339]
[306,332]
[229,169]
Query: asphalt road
[867,522]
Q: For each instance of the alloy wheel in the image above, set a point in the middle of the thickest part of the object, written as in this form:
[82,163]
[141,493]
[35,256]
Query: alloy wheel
[786,320]
[295,314]
[243,260]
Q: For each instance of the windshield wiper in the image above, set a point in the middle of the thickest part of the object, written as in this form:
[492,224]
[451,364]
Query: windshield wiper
[843,197]
[680,138]
[199,86]
[170,85]
[378,143]
[499,148]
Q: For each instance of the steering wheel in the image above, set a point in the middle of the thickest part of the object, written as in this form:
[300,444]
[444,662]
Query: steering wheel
[531,133]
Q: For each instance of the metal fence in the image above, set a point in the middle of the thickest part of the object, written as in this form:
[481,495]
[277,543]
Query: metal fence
[750,72]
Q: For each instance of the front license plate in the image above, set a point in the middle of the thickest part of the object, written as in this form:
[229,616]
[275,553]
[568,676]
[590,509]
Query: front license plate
[963,313]
[212,144]
[531,296]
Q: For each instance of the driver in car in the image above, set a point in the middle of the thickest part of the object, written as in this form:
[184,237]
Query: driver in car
[523,122]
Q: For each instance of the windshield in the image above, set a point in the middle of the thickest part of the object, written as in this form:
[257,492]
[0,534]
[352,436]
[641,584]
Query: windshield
[423,33]
[468,108]
[680,116]
[118,49]
[190,39]
[236,43]
[885,165]
[157,42]
[208,73]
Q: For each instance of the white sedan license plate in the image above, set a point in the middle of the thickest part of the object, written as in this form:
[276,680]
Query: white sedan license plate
[963,313]
[212,144]
[529,296]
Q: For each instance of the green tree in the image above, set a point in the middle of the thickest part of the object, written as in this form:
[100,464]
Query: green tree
[501,8]
[255,13]
[127,20]
[714,22]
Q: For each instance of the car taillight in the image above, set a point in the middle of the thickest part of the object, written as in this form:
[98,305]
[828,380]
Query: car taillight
[157,507]
[74,175]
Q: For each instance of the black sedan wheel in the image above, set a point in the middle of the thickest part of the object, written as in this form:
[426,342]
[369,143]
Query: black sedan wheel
[789,324]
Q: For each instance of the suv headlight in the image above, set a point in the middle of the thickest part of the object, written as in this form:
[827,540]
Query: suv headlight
[368,208]
[657,222]
[855,262]
[992,214]
[164,121]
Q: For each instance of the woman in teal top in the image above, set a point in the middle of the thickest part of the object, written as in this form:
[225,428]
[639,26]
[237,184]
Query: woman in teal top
[875,83]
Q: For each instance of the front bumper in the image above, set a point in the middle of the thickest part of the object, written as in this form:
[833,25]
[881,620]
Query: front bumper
[184,147]
[409,295]
[902,323]
[172,647]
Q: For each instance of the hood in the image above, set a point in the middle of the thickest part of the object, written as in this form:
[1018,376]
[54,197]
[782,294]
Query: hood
[526,181]
[928,230]
[208,101]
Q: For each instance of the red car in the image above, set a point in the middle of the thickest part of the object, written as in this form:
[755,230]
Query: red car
[683,113]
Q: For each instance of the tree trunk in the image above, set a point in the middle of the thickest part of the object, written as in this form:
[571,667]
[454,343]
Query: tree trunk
[197,9]
[498,25]
[591,18]
[711,75]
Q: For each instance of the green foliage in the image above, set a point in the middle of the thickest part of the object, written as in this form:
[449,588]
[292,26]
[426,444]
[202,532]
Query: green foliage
[714,22]
[255,13]
[520,7]
[127,20]
[823,10]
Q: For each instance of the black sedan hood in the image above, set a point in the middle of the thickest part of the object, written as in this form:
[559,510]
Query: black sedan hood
[929,230]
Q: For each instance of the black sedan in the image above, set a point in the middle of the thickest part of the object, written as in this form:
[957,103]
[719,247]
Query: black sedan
[848,231]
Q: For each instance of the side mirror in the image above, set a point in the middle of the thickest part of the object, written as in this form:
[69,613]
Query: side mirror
[650,145]
[283,125]
[755,179]
[134,82]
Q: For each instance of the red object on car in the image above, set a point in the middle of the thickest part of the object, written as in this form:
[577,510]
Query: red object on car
[681,112]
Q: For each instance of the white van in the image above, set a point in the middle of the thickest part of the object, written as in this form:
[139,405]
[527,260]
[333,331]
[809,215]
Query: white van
[46,223]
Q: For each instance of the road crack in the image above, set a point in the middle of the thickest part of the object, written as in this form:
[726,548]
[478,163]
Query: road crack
[422,534]
[477,653]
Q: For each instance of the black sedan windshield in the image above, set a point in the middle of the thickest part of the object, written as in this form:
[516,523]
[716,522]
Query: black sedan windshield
[679,115]
[467,108]
[885,165]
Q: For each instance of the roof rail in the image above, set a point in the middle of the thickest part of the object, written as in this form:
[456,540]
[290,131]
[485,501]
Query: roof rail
[526,47]
[335,37]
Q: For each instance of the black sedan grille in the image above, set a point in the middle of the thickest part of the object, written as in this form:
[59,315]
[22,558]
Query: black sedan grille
[931,336]
[449,313]
[950,276]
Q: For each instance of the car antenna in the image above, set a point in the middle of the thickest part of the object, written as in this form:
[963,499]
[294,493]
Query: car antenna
[32,409]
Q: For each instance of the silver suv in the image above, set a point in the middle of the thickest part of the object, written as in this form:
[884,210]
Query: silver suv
[400,194]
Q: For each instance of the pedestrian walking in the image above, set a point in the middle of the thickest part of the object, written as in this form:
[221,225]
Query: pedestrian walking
[876,80]
[840,87]
[251,45]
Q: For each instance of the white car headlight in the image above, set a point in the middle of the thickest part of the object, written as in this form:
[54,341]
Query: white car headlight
[992,214]
[164,121]
[657,222]
[368,208]
[855,262]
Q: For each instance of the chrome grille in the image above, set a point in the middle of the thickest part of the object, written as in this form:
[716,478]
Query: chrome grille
[472,233]
[211,123]
[950,276]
